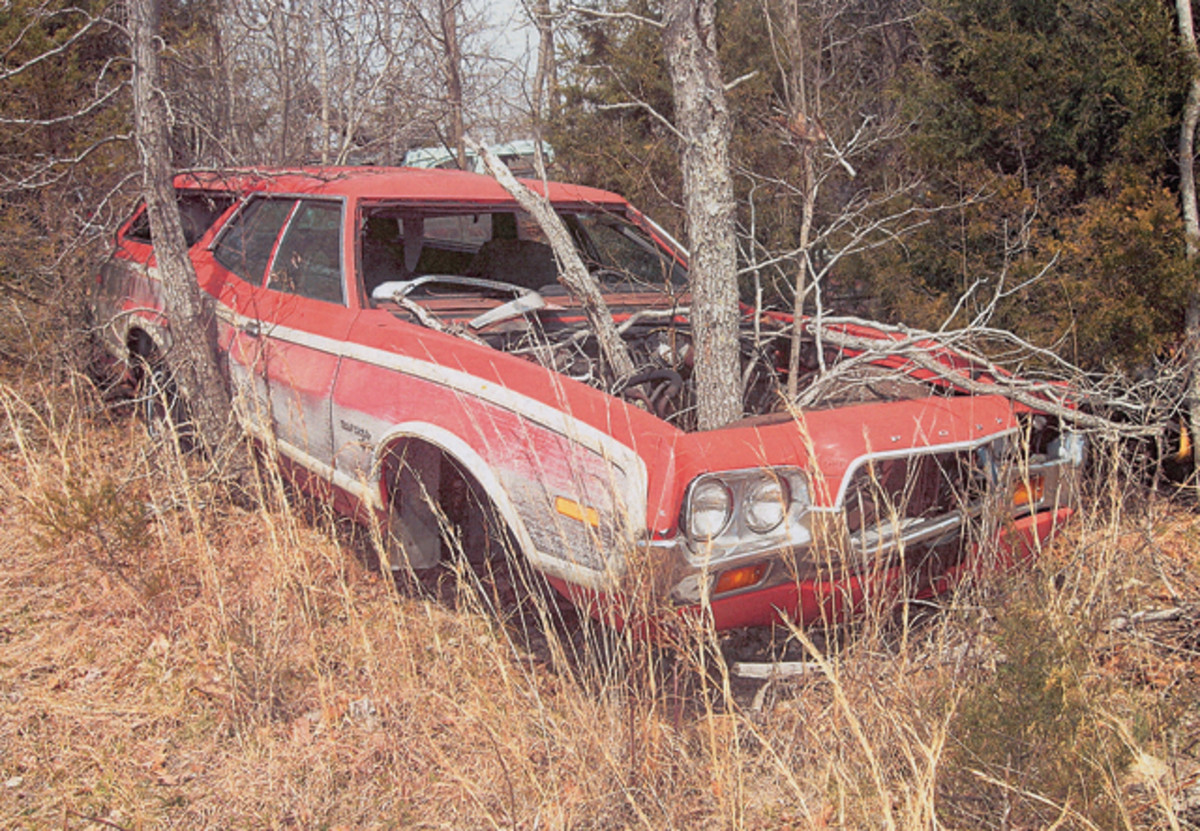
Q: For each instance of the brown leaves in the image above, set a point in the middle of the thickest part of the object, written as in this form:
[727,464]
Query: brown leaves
[803,128]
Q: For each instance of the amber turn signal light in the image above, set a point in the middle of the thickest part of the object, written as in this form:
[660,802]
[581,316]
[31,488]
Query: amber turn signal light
[740,578]
[1029,491]
[574,510]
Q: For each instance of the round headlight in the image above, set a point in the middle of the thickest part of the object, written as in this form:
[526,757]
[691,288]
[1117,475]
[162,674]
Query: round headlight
[709,509]
[766,504]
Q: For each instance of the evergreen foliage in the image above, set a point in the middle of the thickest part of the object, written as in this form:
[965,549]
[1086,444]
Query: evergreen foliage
[63,149]
[1062,117]
[1028,145]
[612,129]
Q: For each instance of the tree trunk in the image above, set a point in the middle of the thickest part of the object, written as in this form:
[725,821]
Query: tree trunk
[702,118]
[192,356]
[797,94]
[807,207]
[318,29]
[279,29]
[1191,219]
[452,64]
[545,79]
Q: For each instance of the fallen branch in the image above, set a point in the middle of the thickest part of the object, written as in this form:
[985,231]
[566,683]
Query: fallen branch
[572,273]
[920,350]
[1122,623]
[775,669]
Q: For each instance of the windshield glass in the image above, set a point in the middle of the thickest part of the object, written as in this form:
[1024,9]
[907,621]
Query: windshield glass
[508,246]
[621,252]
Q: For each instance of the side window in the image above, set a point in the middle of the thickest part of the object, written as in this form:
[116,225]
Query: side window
[623,249]
[246,246]
[197,209]
[309,260]
[139,229]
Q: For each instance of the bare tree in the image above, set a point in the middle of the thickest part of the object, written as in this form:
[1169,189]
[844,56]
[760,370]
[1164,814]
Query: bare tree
[329,81]
[452,62]
[803,121]
[702,120]
[545,79]
[193,353]
[443,32]
[1191,215]
[833,121]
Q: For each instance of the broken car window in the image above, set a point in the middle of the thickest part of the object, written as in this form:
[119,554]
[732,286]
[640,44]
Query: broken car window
[624,253]
[247,242]
[508,246]
[309,261]
[198,210]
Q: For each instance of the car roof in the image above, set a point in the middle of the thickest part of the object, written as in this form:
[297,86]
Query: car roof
[385,184]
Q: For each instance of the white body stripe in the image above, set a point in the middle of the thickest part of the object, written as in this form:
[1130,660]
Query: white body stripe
[632,467]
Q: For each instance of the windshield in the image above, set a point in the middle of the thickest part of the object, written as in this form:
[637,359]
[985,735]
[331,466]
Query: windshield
[398,243]
[620,252]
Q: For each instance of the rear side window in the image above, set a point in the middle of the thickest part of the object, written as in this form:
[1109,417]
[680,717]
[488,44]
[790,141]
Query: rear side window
[246,245]
[309,260]
[197,209]
[139,230]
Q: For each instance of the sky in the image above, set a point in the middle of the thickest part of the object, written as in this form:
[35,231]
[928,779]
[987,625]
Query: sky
[514,36]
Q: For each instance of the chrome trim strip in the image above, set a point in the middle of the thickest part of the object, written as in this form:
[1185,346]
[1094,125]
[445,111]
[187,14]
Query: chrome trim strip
[912,453]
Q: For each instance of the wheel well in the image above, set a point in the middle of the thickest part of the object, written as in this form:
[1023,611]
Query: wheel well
[140,344]
[468,520]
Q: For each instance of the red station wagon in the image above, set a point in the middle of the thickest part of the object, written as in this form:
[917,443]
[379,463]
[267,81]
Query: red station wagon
[399,338]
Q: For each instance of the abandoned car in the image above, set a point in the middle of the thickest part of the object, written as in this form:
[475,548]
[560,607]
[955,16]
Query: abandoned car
[400,338]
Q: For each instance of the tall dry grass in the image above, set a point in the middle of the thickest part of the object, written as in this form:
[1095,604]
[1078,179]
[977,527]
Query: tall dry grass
[168,659]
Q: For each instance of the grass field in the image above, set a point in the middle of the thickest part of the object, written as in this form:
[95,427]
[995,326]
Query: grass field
[171,659]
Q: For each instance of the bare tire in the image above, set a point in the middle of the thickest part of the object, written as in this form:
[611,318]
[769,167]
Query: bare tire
[161,406]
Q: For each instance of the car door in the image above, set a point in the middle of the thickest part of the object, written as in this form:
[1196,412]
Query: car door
[304,321]
[292,320]
[243,250]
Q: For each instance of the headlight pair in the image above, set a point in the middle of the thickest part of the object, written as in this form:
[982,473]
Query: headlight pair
[732,503]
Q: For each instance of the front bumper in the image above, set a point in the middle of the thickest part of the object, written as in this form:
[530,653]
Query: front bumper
[833,597]
[844,567]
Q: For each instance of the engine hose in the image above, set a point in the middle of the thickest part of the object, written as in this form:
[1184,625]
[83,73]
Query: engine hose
[646,376]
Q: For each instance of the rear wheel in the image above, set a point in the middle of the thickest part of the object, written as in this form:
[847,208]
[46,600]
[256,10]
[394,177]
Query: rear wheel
[160,404]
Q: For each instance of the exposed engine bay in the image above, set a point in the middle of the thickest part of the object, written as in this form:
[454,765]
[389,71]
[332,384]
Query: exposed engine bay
[493,278]
[523,322]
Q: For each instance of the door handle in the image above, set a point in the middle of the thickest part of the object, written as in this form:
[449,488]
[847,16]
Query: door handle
[251,328]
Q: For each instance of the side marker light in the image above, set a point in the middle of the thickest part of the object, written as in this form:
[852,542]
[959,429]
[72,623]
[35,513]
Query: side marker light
[574,510]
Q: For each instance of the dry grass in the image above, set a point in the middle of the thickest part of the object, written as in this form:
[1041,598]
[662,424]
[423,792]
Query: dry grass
[167,659]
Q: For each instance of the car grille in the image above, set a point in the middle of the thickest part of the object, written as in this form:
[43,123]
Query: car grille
[905,491]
